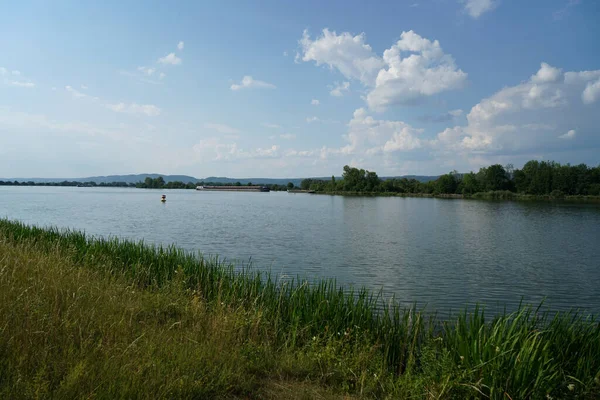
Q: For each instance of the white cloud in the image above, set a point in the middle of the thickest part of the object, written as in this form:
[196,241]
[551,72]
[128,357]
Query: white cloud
[147,70]
[134,108]
[180,45]
[529,116]
[219,151]
[425,70]
[568,135]
[249,82]
[349,54]
[475,8]
[3,71]
[373,136]
[269,125]
[591,92]
[546,74]
[222,128]
[288,136]
[456,113]
[315,102]
[339,89]
[84,87]
[23,84]
[312,119]
[171,59]
[161,75]
[285,53]
[76,94]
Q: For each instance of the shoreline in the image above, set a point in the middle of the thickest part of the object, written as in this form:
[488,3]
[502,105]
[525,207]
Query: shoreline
[498,195]
[317,334]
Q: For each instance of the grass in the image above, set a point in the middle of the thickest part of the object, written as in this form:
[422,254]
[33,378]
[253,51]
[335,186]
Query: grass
[84,317]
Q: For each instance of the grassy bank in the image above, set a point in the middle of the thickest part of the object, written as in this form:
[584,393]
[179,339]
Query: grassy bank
[106,318]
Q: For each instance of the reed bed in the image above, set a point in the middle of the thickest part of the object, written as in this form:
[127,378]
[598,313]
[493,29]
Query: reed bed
[392,351]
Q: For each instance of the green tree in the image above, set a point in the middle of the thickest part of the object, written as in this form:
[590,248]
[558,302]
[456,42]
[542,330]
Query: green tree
[446,184]
[290,185]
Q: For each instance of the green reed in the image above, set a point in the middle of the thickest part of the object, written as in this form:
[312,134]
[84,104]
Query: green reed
[525,354]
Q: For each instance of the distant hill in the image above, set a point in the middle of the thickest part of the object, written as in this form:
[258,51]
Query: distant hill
[134,178]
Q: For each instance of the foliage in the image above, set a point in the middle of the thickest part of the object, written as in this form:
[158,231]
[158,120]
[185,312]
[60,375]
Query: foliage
[536,178]
[94,317]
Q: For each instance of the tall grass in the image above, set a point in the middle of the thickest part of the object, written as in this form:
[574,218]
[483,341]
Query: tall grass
[526,354]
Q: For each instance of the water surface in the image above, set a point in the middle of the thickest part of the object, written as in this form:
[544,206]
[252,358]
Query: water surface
[438,253]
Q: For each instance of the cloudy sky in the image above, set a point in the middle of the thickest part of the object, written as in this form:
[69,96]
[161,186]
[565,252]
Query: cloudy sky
[292,89]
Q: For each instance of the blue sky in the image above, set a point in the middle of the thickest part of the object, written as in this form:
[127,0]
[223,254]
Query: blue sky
[294,89]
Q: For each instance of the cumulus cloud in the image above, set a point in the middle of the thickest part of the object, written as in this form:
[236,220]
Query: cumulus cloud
[315,102]
[180,45]
[546,74]
[425,71]
[568,135]
[350,55]
[366,134]
[413,68]
[339,89]
[475,8]
[249,82]
[134,108]
[170,59]
[222,128]
[591,92]
[529,116]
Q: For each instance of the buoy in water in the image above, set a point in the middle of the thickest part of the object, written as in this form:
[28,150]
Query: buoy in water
[163,198]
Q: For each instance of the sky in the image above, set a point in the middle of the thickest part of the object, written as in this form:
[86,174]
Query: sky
[296,89]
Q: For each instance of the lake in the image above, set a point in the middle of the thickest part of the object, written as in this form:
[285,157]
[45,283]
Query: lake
[439,253]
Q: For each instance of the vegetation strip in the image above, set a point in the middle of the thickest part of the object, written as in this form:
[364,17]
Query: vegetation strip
[318,333]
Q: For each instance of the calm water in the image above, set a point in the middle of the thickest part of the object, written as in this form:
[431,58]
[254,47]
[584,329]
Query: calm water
[442,254]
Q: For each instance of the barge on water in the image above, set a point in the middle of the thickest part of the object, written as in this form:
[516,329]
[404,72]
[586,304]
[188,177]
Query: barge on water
[254,188]
[300,191]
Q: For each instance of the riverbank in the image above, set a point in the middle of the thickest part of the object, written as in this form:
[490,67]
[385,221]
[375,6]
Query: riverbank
[84,317]
[492,195]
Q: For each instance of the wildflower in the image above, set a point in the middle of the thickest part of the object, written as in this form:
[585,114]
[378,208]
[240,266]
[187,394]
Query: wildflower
[497,349]
[314,338]
[571,386]
[462,358]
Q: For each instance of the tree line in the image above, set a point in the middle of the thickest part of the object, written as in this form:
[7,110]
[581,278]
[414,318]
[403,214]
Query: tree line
[67,183]
[535,178]
[159,183]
